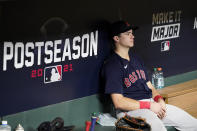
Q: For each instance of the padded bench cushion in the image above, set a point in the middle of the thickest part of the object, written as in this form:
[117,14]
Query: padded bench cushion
[112,128]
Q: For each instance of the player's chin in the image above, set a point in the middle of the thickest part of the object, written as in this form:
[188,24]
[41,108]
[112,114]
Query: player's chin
[132,45]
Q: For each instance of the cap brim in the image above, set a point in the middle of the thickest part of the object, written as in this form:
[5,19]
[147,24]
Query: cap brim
[121,27]
[127,29]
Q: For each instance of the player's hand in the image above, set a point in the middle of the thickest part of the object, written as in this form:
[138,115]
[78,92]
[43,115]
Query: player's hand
[157,109]
[163,105]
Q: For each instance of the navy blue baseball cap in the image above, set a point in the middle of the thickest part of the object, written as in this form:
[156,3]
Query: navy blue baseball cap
[120,27]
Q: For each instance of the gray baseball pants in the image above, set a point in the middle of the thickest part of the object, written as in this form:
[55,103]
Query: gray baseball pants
[175,117]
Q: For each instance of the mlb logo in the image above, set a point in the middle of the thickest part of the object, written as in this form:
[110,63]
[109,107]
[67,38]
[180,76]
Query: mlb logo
[53,74]
[165,46]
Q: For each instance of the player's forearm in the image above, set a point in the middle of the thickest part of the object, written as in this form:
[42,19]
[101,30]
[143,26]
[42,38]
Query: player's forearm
[154,91]
[156,96]
[125,103]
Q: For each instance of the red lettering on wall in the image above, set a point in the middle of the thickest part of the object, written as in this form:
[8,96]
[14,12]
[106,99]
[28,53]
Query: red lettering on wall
[36,73]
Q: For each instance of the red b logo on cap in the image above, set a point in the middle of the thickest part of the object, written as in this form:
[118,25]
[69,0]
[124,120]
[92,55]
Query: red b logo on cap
[127,23]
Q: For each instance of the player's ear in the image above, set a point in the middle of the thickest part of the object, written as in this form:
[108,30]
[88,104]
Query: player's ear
[115,38]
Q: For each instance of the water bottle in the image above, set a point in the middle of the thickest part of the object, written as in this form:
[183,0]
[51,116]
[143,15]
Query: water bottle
[160,78]
[154,78]
[19,128]
[5,126]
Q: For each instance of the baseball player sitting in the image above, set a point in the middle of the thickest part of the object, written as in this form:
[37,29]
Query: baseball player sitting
[127,82]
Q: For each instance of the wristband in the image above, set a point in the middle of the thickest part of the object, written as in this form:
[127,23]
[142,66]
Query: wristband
[144,105]
[156,98]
